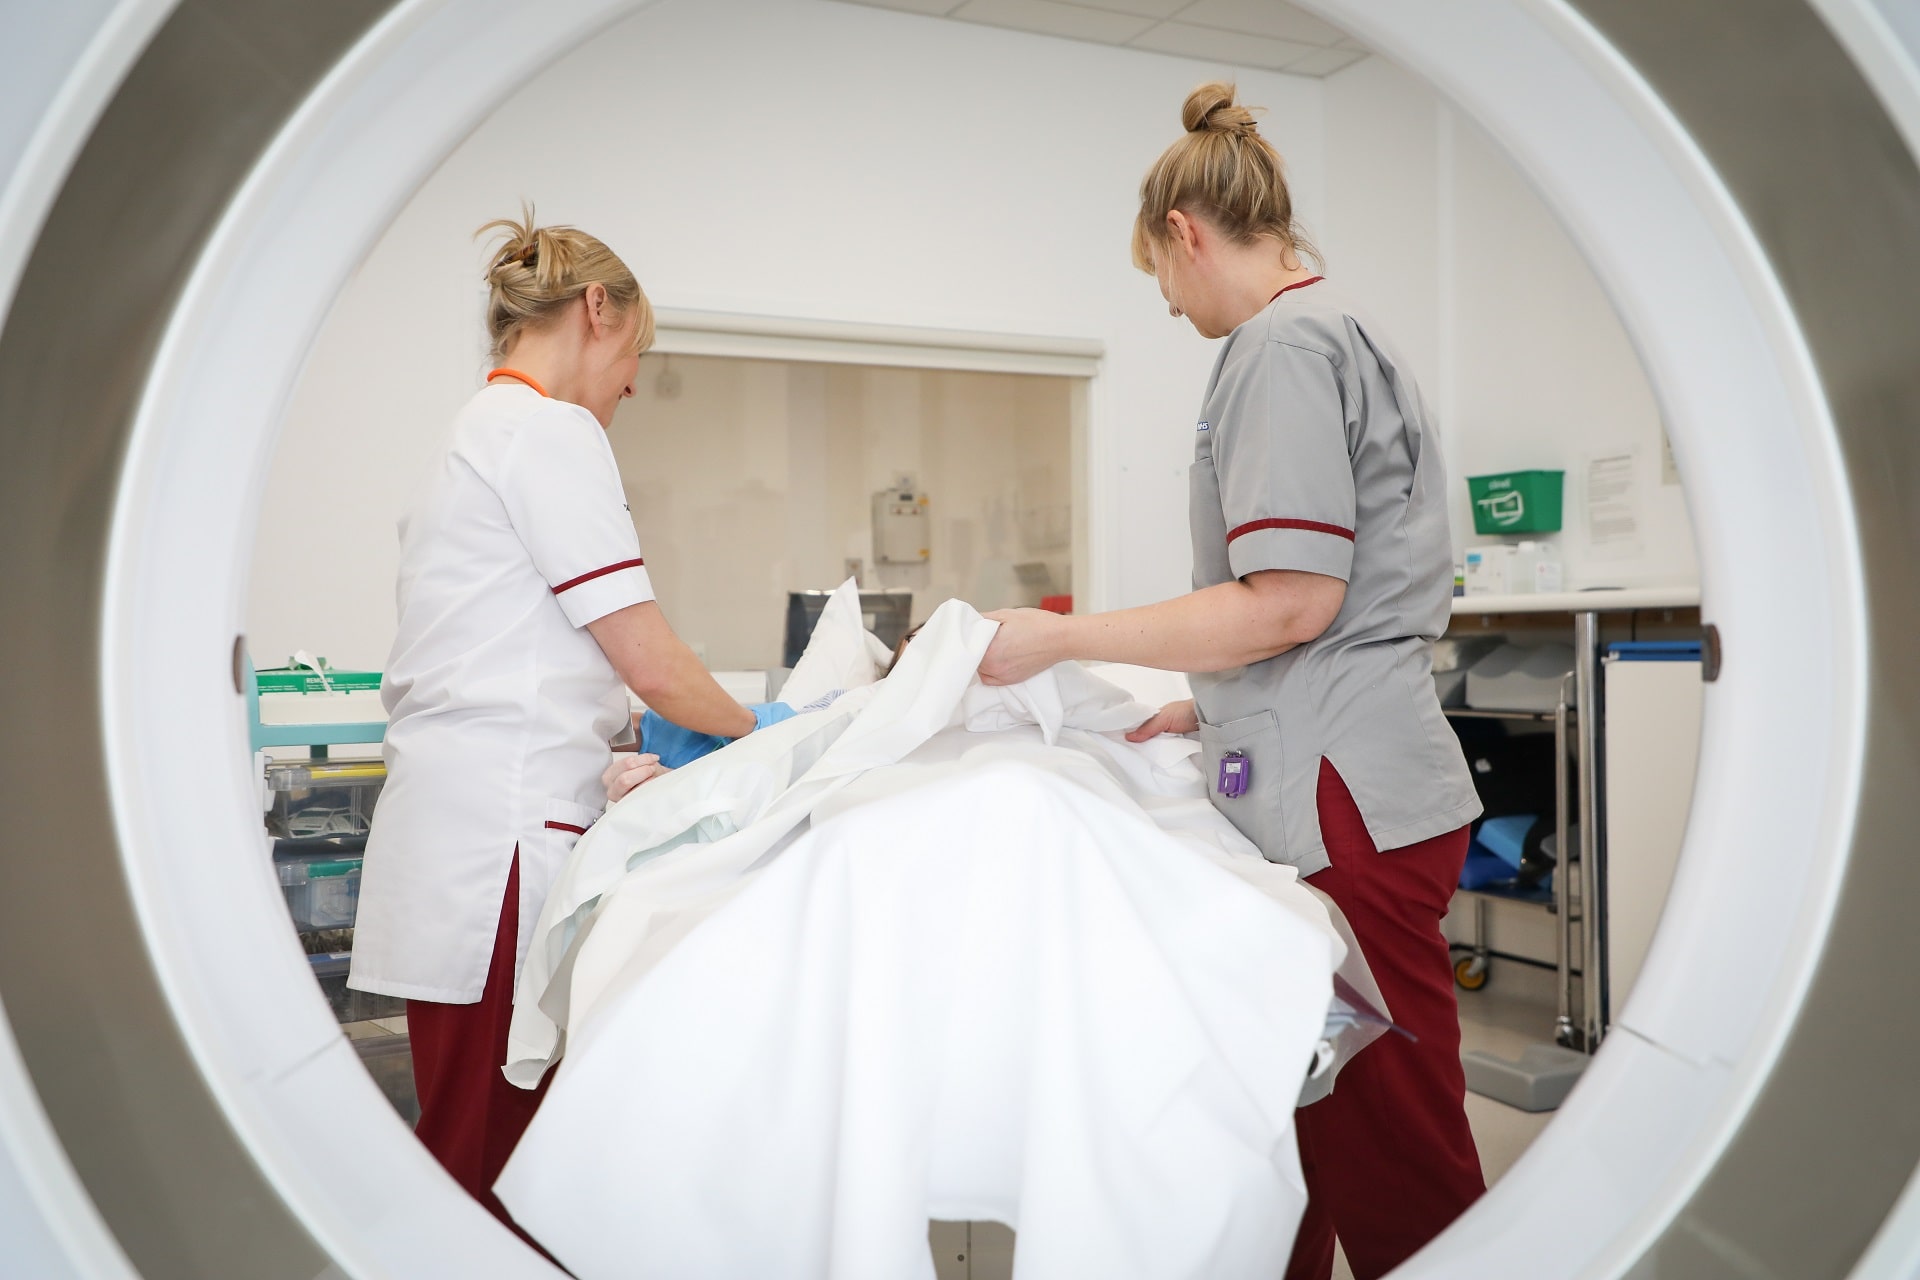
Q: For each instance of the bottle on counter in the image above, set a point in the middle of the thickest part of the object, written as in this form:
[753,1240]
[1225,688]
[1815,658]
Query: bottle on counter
[1537,568]
[1490,570]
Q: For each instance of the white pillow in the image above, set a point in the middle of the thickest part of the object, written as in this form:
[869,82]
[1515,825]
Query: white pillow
[842,654]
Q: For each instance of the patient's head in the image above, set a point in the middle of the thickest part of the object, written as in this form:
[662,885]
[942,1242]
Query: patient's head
[900,649]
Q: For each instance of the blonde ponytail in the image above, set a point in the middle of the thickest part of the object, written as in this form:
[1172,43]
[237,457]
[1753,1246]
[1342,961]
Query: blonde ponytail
[537,271]
[1222,170]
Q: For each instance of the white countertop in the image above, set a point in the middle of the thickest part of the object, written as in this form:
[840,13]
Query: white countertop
[1602,599]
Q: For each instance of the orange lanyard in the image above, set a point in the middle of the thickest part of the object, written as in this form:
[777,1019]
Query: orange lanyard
[515,373]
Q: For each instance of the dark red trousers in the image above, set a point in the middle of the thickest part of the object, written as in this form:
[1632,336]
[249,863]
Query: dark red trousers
[470,1117]
[1388,1157]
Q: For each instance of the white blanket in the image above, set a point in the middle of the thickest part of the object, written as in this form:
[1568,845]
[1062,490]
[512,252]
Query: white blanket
[979,958]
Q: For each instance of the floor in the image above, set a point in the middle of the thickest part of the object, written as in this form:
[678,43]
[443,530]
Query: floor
[372,1028]
[1514,1009]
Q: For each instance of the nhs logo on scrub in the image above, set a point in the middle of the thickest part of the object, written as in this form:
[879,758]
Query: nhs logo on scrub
[1205,425]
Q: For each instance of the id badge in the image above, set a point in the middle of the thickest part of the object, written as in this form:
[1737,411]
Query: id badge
[1236,771]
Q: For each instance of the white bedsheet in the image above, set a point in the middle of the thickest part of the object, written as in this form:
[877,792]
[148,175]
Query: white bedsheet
[978,958]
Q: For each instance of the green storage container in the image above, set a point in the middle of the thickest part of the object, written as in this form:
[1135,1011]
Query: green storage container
[1516,501]
[307,680]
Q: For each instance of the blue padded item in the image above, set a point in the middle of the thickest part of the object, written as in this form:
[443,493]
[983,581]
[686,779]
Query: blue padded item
[1505,837]
[677,746]
[1483,869]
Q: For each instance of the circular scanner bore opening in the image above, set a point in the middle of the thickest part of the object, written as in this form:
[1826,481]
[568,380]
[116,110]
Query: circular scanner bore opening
[983,280]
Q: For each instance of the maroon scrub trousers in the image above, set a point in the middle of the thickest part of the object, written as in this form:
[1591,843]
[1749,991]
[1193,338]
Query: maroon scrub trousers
[1388,1158]
[470,1117]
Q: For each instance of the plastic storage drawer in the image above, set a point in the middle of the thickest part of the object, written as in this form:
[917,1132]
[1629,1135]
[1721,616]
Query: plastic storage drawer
[1519,678]
[318,799]
[322,888]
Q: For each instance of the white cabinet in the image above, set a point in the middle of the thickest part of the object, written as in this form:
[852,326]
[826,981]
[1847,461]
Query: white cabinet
[1652,731]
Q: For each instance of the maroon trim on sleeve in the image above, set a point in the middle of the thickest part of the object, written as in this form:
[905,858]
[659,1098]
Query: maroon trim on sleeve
[565,826]
[571,583]
[1311,526]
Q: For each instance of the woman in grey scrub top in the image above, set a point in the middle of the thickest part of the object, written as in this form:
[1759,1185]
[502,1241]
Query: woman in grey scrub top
[1322,574]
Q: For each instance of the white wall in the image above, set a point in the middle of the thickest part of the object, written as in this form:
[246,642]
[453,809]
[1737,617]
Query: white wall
[790,158]
[821,160]
[1506,325]
[1382,236]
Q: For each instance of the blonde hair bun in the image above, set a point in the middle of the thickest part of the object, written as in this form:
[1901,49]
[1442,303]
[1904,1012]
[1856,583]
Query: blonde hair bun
[538,256]
[537,271]
[1211,109]
[1222,170]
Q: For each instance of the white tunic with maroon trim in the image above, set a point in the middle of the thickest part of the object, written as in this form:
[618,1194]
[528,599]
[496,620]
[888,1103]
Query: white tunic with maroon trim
[501,704]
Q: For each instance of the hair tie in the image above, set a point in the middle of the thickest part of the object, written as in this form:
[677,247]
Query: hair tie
[527,257]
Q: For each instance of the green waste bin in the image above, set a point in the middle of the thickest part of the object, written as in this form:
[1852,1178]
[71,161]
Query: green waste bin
[1516,502]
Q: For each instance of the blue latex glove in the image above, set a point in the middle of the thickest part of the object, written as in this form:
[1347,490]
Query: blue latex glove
[770,713]
[677,746]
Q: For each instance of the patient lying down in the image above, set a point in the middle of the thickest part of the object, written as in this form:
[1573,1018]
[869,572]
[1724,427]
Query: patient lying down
[936,950]
[662,746]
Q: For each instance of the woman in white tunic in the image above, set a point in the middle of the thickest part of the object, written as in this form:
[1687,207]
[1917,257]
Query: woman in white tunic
[525,614]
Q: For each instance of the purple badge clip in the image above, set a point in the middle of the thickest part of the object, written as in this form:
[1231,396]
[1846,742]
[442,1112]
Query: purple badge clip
[1235,769]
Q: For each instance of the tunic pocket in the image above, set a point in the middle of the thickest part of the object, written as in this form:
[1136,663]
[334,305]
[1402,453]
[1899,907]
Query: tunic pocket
[565,822]
[1257,811]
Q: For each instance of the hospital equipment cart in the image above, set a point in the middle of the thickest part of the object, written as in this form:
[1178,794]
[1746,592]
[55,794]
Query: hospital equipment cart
[1579,894]
[1560,897]
[318,811]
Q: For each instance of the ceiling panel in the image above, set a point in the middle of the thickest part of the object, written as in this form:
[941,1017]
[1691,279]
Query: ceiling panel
[1261,18]
[1268,34]
[939,8]
[1325,62]
[1048,17]
[1231,47]
[1140,8]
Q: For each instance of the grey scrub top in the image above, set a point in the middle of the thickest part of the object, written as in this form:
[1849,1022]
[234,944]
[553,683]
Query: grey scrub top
[1315,452]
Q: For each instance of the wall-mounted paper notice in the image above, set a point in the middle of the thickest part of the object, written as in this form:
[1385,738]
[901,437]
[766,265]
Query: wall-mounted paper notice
[1613,506]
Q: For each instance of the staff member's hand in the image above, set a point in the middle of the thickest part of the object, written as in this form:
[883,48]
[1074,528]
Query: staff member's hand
[628,771]
[1175,717]
[1028,643]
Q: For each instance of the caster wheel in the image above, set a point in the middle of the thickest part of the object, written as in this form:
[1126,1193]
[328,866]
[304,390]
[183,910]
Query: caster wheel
[1470,972]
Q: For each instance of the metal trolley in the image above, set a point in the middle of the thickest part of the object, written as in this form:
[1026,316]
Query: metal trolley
[318,811]
[1577,899]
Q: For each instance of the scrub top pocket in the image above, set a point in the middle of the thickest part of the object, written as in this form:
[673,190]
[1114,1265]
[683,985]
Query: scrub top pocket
[561,828]
[1258,812]
[565,822]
